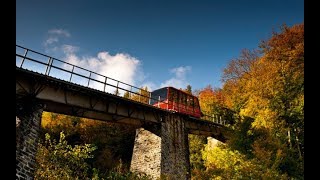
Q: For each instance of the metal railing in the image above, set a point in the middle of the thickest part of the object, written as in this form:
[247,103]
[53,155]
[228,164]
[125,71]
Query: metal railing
[49,66]
[73,71]
[214,118]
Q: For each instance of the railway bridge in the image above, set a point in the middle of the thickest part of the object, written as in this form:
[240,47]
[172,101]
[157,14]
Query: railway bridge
[44,83]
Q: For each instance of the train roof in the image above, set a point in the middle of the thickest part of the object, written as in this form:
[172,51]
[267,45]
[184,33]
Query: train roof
[173,88]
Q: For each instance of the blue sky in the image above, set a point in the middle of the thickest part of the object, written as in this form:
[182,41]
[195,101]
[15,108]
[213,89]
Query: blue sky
[149,42]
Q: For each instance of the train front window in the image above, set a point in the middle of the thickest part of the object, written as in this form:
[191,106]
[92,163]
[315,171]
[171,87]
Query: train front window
[162,93]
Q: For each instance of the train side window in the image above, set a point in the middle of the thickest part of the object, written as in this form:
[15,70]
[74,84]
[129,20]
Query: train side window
[173,95]
[184,99]
[181,97]
[170,95]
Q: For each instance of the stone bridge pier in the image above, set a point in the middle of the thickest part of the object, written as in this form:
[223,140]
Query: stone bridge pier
[28,121]
[163,151]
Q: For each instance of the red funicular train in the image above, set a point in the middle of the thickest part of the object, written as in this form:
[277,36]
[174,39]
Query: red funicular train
[176,100]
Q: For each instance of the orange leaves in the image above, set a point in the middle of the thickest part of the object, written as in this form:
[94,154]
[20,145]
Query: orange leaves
[288,38]
[209,99]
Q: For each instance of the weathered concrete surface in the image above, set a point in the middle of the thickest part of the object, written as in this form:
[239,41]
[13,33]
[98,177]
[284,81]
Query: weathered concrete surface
[175,163]
[146,157]
[163,155]
[28,122]
[212,142]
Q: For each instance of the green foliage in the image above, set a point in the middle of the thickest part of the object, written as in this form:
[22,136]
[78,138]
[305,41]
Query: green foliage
[196,145]
[224,163]
[62,161]
[59,160]
[113,175]
[188,89]
[114,141]
[126,95]
[242,136]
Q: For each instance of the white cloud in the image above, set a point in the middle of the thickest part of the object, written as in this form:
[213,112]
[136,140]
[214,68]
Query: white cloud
[180,72]
[179,80]
[51,40]
[69,49]
[59,32]
[122,67]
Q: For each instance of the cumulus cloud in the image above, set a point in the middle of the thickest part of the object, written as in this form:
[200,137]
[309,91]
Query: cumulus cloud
[179,80]
[120,66]
[54,37]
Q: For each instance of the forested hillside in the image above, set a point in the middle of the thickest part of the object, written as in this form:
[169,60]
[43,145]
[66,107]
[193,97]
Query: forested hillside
[265,90]
[262,98]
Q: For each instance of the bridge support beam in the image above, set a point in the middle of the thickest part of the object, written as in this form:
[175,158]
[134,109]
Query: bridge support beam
[164,154]
[175,163]
[28,117]
[212,142]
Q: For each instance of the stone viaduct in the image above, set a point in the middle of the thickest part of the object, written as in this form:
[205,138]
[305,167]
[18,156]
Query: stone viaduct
[161,144]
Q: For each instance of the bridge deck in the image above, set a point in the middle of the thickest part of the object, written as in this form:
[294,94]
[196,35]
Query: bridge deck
[63,95]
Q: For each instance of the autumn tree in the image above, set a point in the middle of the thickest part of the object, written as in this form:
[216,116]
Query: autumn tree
[223,163]
[213,105]
[126,95]
[188,89]
[142,95]
[59,160]
[114,141]
[268,85]
[235,77]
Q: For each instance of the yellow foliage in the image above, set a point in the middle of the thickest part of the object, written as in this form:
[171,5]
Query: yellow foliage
[223,163]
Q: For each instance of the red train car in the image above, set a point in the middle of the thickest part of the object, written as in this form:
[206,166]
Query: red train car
[176,100]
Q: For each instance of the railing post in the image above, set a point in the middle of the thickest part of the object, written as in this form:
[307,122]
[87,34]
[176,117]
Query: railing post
[149,98]
[89,79]
[71,73]
[130,92]
[105,84]
[159,102]
[117,90]
[24,57]
[50,65]
[140,95]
